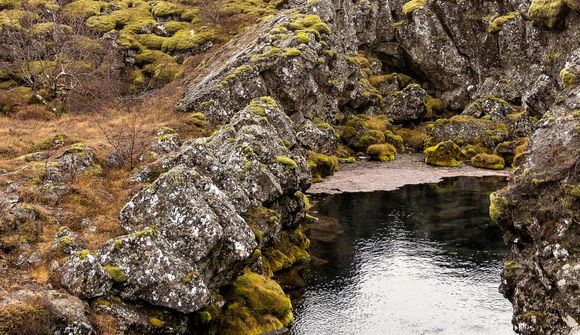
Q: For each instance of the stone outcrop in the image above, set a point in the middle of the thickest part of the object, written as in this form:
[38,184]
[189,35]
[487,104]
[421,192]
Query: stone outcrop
[540,214]
[313,67]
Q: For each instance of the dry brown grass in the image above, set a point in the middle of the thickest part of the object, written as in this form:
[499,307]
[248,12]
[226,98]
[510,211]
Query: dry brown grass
[104,324]
[96,197]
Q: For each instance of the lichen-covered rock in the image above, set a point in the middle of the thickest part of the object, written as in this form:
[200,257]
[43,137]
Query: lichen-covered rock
[320,137]
[463,129]
[84,276]
[406,105]
[154,272]
[133,318]
[539,214]
[167,140]
[497,109]
[190,232]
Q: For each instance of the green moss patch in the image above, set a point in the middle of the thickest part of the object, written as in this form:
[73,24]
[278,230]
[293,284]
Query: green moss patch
[413,5]
[497,23]
[445,153]
[321,165]
[488,161]
[258,306]
[381,152]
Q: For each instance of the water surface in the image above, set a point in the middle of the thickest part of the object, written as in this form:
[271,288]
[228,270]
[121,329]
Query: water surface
[423,259]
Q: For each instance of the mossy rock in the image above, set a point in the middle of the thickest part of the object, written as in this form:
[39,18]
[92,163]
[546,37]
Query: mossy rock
[413,138]
[381,152]
[497,23]
[446,153]
[289,249]
[548,12]
[413,5]
[362,131]
[488,161]
[258,305]
[321,165]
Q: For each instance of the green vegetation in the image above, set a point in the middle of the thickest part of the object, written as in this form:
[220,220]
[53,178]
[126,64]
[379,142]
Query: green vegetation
[287,161]
[547,12]
[413,5]
[487,161]
[381,152]
[321,165]
[497,206]
[497,23]
[258,306]
[116,274]
[568,78]
[445,153]
[289,249]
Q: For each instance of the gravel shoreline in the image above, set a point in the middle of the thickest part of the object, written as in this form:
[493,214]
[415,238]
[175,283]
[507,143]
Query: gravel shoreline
[406,169]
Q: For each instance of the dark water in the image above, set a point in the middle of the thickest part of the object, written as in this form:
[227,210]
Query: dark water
[420,260]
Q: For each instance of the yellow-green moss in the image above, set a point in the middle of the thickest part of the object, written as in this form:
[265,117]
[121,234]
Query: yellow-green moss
[381,152]
[497,23]
[547,12]
[412,138]
[156,322]
[445,153]
[412,5]
[497,206]
[488,161]
[84,254]
[433,106]
[292,52]
[519,153]
[188,39]
[322,165]
[116,274]
[289,249]
[287,161]
[263,295]
[568,78]
[304,199]
[82,9]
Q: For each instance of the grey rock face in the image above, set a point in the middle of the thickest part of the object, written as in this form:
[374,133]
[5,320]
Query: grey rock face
[542,271]
[84,276]
[152,273]
[186,234]
[406,105]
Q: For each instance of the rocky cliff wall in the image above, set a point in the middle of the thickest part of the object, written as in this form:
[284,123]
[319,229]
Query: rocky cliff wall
[224,214]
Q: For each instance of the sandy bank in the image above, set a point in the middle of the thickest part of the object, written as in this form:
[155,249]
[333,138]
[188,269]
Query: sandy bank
[368,176]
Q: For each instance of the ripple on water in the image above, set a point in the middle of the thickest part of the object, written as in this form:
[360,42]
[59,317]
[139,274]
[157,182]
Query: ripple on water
[420,260]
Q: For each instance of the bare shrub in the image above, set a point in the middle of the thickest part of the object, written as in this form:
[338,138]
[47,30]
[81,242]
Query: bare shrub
[59,59]
[128,138]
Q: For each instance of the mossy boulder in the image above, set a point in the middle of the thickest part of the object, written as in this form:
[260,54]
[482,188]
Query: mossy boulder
[361,131]
[466,129]
[548,12]
[445,153]
[258,305]
[413,138]
[289,249]
[488,161]
[381,152]
[321,165]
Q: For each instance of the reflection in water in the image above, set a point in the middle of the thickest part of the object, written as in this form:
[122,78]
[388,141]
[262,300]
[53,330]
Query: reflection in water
[420,260]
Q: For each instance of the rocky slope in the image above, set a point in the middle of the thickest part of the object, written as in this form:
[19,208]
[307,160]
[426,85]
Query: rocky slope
[222,215]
